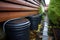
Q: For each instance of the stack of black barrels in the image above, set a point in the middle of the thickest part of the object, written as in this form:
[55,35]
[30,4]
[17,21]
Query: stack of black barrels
[19,29]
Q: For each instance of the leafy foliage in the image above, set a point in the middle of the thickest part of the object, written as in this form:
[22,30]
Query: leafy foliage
[54,12]
[40,10]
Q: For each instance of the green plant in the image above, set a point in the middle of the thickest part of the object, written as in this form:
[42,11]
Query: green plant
[40,10]
[54,12]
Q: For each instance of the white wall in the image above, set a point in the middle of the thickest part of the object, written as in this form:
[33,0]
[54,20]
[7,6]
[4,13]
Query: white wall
[47,2]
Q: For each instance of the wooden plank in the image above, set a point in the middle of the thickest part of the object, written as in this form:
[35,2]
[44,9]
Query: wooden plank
[15,9]
[33,2]
[37,1]
[10,15]
[23,3]
[8,6]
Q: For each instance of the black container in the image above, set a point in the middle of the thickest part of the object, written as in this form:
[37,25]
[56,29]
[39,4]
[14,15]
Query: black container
[18,29]
[35,20]
[57,33]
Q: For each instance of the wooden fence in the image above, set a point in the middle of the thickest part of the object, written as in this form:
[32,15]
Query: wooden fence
[10,9]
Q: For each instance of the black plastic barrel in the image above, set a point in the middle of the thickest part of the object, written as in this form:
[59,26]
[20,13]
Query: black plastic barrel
[35,20]
[18,29]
